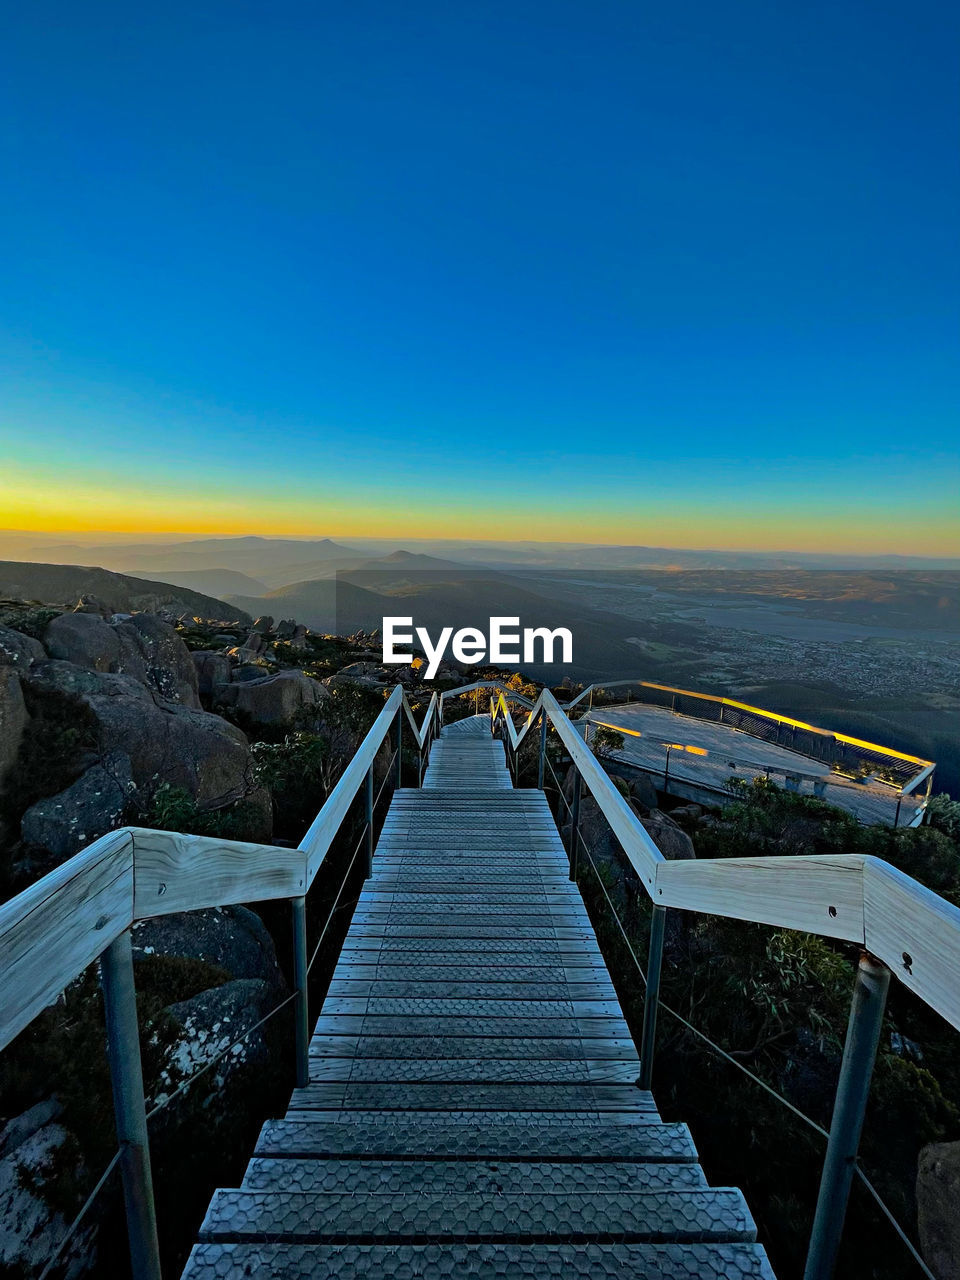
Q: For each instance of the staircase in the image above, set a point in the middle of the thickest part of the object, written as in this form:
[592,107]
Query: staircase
[471,1109]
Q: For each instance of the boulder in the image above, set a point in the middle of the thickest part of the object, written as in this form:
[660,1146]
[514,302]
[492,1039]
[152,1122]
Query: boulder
[89,603]
[32,1228]
[176,744]
[250,671]
[672,841]
[234,938]
[208,1023]
[286,697]
[299,637]
[263,625]
[640,786]
[152,651]
[938,1193]
[286,629]
[64,824]
[84,639]
[686,813]
[143,647]
[13,719]
[213,667]
[18,650]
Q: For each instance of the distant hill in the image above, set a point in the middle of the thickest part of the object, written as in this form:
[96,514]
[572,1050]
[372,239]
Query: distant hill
[246,555]
[435,600]
[66,583]
[212,582]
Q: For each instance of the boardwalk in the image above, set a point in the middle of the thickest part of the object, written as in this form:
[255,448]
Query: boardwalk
[728,752]
[472,1108]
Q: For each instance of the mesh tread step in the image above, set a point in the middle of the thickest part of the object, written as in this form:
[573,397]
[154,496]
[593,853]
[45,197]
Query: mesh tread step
[692,1215]
[482,1071]
[471,1047]
[477,1097]
[490,1177]
[396,1136]
[483,1261]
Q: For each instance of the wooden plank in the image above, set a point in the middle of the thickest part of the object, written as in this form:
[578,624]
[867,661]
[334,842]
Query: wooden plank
[916,933]
[53,930]
[822,894]
[174,872]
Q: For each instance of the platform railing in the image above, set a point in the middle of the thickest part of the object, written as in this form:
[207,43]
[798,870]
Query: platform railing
[902,772]
[903,929]
[84,911]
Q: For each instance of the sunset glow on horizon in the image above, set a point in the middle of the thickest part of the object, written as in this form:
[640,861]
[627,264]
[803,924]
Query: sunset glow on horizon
[483,274]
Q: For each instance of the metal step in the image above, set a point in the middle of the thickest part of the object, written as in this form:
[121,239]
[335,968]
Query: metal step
[472,1177]
[469,1137]
[479,1261]
[414,1216]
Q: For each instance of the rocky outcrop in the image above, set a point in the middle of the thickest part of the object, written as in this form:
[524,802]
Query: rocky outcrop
[85,639]
[13,719]
[672,841]
[233,938]
[31,1146]
[95,804]
[213,668]
[164,741]
[141,646]
[938,1194]
[289,697]
[18,650]
[207,1025]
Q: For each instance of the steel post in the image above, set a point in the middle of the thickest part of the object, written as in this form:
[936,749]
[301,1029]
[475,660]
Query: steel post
[651,1000]
[129,1107]
[398,778]
[301,1011]
[853,1089]
[543,748]
[369,817]
[575,825]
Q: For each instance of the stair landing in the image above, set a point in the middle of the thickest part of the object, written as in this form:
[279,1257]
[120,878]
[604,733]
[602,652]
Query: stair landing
[472,1109]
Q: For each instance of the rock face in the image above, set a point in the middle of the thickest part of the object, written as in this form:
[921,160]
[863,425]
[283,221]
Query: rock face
[212,667]
[92,806]
[13,718]
[263,625]
[29,1147]
[18,650]
[177,744]
[143,647]
[670,839]
[938,1194]
[639,785]
[286,697]
[208,1023]
[234,938]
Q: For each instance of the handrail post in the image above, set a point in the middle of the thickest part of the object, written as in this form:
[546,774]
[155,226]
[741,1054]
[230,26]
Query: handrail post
[129,1106]
[398,733]
[369,816]
[301,1010]
[575,825]
[543,747]
[651,999]
[853,1088]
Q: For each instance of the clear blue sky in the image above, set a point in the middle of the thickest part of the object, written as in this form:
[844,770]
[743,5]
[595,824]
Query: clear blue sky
[291,266]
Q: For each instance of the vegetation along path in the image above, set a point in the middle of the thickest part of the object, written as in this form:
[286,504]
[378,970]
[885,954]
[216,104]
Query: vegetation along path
[472,1106]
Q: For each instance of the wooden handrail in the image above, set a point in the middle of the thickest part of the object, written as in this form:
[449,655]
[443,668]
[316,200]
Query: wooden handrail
[51,931]
[914,931]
